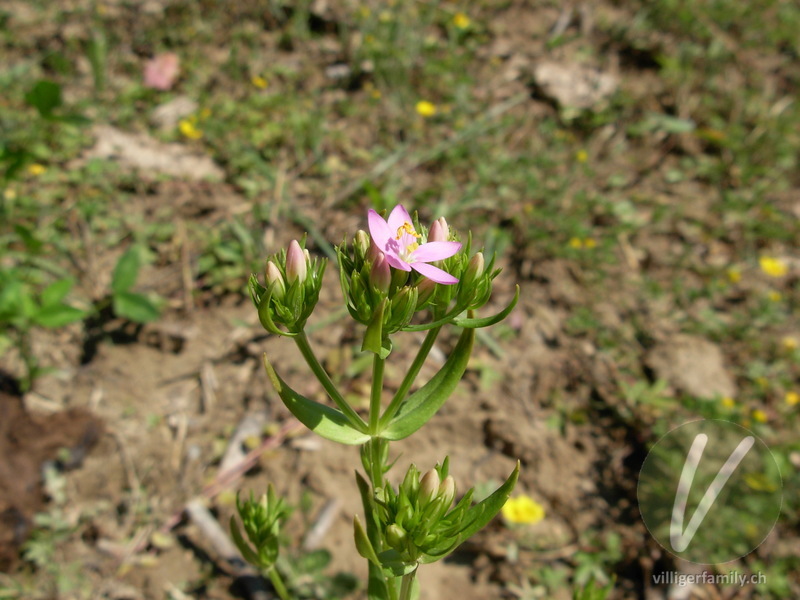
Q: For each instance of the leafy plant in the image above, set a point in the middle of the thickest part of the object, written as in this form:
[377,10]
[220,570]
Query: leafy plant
[126,303]
[23,306]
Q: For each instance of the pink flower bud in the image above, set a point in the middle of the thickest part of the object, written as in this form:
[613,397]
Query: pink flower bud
[425,289]
[295,263]
[475,268]
[447,491]
[275,280]
[381,276]
[361,243]
[440,231]
[429,487]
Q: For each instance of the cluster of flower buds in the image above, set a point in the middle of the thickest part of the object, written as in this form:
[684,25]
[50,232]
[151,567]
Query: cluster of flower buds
[419,523]
[291,291]
[261,520]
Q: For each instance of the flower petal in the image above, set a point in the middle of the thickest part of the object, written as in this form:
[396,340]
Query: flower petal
[396,262]
[398,217]
[378,229]
[435,251]
[434,273]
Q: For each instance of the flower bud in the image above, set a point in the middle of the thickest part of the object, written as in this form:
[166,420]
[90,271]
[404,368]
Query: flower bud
[296,268]
[404,304]
[399,278]
[475,268]
[380,276]
[411,481]
[396,537]
[361,243]
[447,491]
[429,487]
[439,231]
[425,289]
[274,281]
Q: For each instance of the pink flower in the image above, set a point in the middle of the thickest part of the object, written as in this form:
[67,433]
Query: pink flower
[398,240]
[161,71]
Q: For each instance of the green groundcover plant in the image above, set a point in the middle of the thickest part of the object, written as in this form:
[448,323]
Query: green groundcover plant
[399,277]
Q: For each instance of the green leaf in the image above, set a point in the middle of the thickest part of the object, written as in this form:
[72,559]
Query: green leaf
[363,545]
[426,401]
[322,420]
[55,292]
[487,321]
[57,315]
[126,271]
[45,96]
[32,244]
[135,307]
[478,516]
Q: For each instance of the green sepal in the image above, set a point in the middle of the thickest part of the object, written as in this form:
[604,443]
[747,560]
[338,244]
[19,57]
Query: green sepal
[319,418]
[394,563]
[265,316]
[373,337]
[363,545]
[448,318]
[487,321]
[420,406]
[243,546]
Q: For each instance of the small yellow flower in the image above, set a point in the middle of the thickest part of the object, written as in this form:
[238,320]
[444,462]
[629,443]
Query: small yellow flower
[774,267]
[759,416]
[205,113]
[523,509]
[385,17]
[792,398]
[774,296]
[789,343]
[581,156]
[575,243]
[188,128]
[9,194]
[461,20]
[728,402]
[734,275]
[36,169]
[425,108]
[589,243]
[259,82]
[364,12]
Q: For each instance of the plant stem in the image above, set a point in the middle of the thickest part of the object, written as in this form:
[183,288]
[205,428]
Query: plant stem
[405,588]
[278,584]
[408,380]
[375,395]
[305,349]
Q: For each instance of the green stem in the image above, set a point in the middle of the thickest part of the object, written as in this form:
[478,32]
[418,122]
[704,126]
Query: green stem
[375,396]
[278,584]
[305,349]
[410,377]
[405,587]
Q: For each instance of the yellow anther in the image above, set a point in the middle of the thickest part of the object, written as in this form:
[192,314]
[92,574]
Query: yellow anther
[409,229]
[413,246]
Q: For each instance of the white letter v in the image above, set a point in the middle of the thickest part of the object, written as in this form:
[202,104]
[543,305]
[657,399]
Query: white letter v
[678,537]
